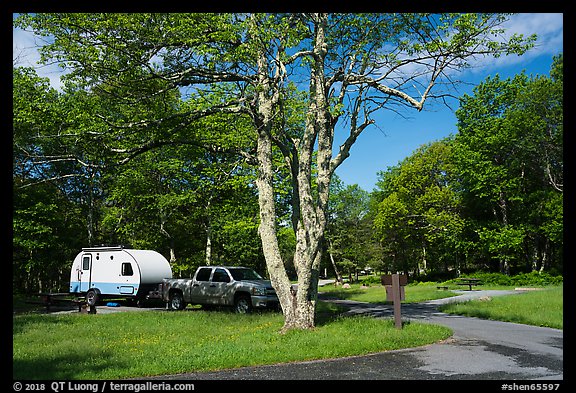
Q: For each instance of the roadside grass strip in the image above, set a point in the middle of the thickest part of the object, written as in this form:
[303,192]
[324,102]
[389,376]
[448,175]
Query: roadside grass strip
[131,345]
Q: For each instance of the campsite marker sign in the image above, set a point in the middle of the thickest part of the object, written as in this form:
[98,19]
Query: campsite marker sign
[394,284]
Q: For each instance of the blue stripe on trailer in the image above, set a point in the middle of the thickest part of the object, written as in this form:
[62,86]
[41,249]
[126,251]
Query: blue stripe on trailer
[106,288]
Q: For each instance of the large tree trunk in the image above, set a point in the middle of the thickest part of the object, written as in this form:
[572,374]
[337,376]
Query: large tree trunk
[308,206]
[298,303]
[310,211]
[263,120]
[267,230]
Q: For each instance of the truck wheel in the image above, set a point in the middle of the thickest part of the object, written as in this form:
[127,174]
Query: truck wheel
[243,304]
[92,297]
[177,301]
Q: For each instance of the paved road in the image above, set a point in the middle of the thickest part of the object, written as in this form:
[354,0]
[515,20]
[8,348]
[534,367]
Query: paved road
[478,350]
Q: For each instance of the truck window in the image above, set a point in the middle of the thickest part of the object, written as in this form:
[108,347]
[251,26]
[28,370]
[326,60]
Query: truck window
[240,274]
[220,275]
[204,274]
[127,269]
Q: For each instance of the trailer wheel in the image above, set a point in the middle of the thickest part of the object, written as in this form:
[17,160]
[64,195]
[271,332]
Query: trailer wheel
[243,304]
[92,297]
[177,301]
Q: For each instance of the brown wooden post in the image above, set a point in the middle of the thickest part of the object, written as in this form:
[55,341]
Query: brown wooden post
[396,298]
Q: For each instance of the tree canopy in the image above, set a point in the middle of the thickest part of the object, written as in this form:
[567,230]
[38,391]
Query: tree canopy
[272,89]
[491,197]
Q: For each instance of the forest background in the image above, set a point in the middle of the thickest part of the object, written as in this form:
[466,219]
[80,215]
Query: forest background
[489,198]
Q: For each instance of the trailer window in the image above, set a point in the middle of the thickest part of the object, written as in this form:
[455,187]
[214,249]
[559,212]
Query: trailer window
[127,269]
[86,263]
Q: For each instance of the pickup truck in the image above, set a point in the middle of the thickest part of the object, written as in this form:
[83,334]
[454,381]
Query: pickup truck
[239,287]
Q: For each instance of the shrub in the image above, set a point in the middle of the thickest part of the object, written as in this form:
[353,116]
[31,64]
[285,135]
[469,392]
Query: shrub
[535,278]
[370,280]
[523,279]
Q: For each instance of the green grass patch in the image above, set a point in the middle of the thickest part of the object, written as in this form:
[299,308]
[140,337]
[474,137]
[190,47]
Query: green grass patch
[415,293]
[539,308]
[138,344]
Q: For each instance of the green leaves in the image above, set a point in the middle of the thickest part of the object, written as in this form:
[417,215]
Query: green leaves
[421,210]
[159,114]
[349,228]
[502,242]
[491,196]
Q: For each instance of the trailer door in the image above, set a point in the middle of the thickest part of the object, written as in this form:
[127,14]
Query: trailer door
[85,274]
[128,279]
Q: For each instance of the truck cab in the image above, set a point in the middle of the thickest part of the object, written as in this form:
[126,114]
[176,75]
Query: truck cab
[239,287]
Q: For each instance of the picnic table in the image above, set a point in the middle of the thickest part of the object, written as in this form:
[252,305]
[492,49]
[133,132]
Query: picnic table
[469,281]
[52,299]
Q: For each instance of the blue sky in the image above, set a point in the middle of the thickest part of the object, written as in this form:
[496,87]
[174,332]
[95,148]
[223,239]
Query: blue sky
[394,137]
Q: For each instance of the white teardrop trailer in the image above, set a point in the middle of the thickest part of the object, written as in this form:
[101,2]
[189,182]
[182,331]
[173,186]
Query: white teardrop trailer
[118,272]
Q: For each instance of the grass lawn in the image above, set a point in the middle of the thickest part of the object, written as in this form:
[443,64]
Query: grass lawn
[137,344]
[543,307]
[415,293]
[539,308]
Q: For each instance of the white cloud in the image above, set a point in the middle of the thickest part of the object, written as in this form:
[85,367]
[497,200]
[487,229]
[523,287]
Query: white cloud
[25,54]
[23,48]
[549,29]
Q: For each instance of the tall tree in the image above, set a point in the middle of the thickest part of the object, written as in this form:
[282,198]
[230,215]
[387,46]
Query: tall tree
[509,157]
[47,218]
[418,221]
[349,230]
[348,66]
